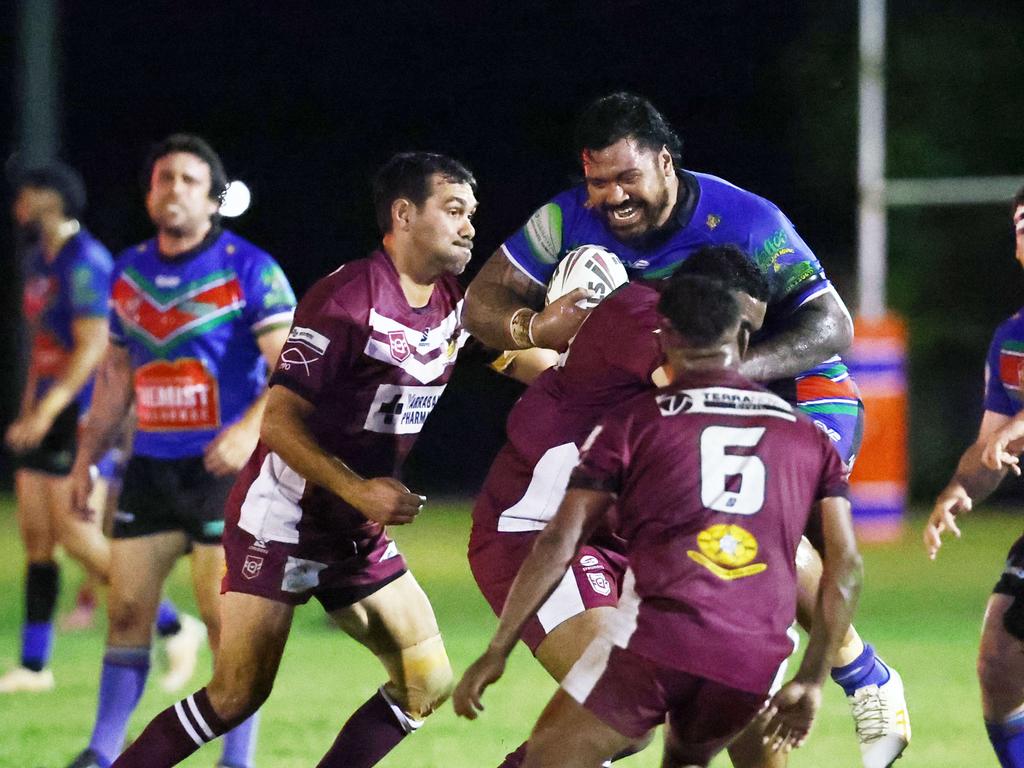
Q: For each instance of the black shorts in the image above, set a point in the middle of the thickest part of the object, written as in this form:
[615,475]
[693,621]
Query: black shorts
[56,453]
[1012,580]
[161,495]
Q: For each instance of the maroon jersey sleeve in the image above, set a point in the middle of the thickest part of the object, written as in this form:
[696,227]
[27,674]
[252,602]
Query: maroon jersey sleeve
[322,346]
[604,455]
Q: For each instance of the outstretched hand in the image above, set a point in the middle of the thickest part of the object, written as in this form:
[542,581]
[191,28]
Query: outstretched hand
[791,714]
[943,518]
[481,673]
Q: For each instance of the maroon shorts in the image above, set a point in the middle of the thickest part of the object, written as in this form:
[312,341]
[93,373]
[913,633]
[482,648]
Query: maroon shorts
[633,695]
[594,580]
[276,571]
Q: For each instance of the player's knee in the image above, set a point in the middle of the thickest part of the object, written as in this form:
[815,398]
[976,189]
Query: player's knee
[236,697]
[427,679]
[127,616]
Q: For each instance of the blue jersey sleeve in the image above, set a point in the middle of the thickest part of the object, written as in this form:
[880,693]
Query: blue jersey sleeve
[794,273]
[540,243]
[1003,372]
[89,281]
[269,299]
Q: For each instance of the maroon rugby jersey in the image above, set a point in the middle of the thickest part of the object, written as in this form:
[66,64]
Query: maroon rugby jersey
[610,361]
[373,367]
[715,479]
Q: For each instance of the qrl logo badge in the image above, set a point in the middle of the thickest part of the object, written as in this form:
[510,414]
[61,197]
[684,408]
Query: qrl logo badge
[599,583]
[252,566]
[399,345]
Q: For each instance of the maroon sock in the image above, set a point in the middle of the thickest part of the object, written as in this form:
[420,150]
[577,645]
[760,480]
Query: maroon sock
[174,734]
[515,759]
[373,730]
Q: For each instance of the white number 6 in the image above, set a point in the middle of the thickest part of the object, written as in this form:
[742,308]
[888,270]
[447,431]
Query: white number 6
[717,466]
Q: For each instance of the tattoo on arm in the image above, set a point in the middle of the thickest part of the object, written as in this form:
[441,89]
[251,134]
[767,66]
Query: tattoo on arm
[498,290]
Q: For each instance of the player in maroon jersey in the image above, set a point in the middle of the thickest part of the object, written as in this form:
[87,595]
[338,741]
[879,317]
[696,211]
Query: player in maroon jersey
[369,354]
[715,480]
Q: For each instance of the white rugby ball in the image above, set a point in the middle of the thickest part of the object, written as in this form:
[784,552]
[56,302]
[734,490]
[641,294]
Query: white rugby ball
[589,266]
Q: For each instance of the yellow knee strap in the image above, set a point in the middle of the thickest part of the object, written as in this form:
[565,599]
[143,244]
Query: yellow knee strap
[421,677]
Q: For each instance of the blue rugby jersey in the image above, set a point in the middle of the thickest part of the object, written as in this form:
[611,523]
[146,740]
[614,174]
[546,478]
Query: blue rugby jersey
[189,325]
[723,213]
[76,284]
[1004,369]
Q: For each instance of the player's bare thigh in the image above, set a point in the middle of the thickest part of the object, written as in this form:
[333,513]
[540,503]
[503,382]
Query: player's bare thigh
[397,624]
[564,644]
[254,631]
[138,568]
[207,571]
[1000,663]
[568,735]
[749,751]
[37,529]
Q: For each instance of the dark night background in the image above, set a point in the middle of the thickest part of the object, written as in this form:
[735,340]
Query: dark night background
[303,100]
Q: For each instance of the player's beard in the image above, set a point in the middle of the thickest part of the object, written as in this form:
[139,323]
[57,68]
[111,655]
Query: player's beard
[650,213]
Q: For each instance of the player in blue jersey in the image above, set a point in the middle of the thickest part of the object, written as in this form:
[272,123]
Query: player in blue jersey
[639,203]
[197,315]
[67,283]
[981,468]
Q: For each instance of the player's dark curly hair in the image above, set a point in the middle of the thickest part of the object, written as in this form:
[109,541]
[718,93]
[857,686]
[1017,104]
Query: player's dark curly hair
[625,115]
[407,175]
[699,308]
[728,264]
[193,145]
[60,178]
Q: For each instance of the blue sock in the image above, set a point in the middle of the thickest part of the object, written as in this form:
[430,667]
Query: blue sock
[1007,740]
[121,683]
[167,621]
[866,669]
[36,645]
[240,744]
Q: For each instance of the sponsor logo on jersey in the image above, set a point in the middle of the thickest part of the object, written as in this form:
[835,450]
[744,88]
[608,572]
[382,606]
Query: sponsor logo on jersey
[544,233]
[309,338]
[713,220]
[252,566]
[728,552]
[599,583]
[399,345]
[389,552]
[725,400]
[167,281]
[300,575]
[176,395]
[834,436]
[295,356]
[401,410]
[589,561]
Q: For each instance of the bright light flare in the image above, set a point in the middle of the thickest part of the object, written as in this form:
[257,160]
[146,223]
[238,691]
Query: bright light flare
[236,200]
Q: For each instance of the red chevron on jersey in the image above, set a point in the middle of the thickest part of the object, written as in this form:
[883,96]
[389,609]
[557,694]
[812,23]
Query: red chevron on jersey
[1011,365]
[162,319]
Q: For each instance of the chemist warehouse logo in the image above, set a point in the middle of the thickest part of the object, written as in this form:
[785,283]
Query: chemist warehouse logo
[401,410]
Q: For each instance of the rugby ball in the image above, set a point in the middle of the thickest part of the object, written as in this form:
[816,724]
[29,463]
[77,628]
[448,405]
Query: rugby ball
[589,266]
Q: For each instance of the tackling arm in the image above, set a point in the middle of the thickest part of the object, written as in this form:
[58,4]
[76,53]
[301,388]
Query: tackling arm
[817,330]
[577,517]
[285,432]
[505,309]
[795,706]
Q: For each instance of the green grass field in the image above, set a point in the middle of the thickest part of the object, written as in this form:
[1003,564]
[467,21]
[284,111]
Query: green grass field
[924,617]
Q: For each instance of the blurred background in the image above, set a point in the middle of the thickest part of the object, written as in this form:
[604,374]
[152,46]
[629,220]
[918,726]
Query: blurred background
[303,100]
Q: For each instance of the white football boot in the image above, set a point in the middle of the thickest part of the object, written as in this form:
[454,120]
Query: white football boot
[882,720]
[25,680]
[182,650]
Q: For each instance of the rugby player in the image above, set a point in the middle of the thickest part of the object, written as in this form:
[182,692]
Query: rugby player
[67,288]
[197,315]
[698,637]
[369,354]
[981,468]
[637,202]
